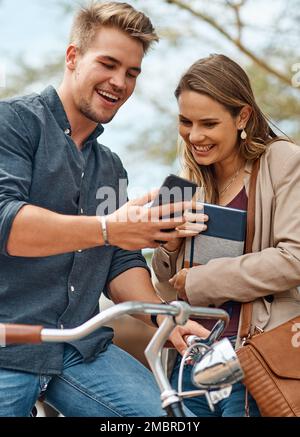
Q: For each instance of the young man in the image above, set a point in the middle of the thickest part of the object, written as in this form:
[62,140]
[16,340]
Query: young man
[56,257]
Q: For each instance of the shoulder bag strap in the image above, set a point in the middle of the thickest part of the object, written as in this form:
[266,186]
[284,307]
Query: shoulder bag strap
[247,307]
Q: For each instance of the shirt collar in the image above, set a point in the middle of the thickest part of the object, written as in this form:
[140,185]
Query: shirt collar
[54,103]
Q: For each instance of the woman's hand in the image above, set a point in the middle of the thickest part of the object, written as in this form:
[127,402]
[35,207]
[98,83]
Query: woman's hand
[178,282]
[195,223]
[190,328]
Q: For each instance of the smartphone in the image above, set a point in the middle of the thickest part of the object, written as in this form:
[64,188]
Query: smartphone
[174,189]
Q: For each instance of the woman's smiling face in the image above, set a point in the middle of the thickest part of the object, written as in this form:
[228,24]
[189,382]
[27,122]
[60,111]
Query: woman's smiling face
[208,128]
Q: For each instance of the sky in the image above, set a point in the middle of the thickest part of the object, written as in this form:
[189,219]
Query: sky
[38,31]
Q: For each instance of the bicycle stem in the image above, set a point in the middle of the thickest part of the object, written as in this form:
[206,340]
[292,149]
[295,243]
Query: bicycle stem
[153,351]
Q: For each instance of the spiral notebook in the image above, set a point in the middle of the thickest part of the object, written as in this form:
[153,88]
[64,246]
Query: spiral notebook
[224,237]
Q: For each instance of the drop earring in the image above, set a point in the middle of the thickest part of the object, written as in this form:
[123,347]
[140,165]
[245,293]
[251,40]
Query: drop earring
[244,134]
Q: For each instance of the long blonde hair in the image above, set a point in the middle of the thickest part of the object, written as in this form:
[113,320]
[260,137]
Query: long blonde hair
[223,80]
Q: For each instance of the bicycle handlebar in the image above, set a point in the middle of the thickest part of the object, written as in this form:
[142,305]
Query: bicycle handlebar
[31,334]
[178,311]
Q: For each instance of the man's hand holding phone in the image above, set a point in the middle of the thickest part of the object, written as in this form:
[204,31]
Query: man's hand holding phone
[176,189]
[135,226]
[168,220]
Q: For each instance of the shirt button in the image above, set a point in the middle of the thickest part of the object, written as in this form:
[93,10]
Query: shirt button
[79,251]
[81,211]
[61,326]
[72,288]
[82,176]
[67,131]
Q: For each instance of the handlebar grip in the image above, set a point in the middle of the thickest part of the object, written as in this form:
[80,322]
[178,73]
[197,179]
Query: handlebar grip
[19,334]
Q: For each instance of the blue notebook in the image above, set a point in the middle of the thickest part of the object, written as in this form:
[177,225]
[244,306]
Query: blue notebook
[224,237]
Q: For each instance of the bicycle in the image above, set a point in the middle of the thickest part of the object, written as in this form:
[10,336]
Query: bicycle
[215,365]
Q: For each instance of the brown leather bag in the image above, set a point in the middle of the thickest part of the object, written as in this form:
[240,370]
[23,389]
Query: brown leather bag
[270,360]
[271,364]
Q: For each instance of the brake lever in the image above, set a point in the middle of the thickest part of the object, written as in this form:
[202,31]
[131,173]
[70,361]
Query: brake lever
[213,336]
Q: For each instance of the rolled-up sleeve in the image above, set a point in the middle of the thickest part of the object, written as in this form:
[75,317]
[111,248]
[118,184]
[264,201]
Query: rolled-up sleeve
[124,260]
[16,156]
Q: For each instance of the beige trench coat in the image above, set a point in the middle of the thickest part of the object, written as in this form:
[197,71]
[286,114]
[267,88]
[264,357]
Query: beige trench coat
[272,268]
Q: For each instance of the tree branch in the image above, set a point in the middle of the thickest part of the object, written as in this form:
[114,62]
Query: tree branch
[236,8]
[279,75]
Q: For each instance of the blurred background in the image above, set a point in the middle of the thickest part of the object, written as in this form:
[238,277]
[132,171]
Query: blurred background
[262,35]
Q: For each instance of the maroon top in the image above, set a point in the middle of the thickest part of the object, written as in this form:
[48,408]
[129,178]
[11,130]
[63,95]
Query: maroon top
[233,308]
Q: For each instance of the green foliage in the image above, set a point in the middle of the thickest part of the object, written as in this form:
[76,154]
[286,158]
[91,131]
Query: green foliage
[280,103]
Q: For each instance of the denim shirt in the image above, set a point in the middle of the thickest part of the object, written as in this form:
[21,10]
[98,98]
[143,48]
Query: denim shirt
[40,165]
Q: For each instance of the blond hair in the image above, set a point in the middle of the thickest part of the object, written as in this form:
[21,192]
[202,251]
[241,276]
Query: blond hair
[122,16]
[223,80]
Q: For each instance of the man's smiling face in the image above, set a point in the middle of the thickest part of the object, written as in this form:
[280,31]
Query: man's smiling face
[104,77]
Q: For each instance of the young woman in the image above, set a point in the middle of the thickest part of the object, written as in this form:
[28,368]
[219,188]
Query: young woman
[224,132]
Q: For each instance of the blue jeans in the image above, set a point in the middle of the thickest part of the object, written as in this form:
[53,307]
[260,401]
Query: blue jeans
[233,406]
[113,385]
